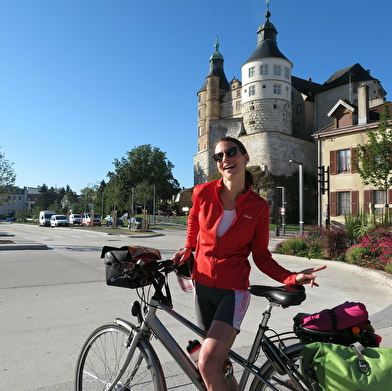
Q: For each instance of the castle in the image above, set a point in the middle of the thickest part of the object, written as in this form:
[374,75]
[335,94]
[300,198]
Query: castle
[273,113]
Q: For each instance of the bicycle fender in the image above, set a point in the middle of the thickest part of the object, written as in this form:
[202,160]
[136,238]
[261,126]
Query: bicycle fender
[124,323]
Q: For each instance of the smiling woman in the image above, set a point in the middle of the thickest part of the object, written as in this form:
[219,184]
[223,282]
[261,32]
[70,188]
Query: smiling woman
[226,223]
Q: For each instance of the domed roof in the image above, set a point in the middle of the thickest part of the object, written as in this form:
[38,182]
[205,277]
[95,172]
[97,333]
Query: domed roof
[216,69]
[266,42]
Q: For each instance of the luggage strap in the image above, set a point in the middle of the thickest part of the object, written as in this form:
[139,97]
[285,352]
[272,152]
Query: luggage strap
[362,363]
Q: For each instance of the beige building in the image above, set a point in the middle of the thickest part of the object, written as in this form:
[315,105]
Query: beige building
[336,146]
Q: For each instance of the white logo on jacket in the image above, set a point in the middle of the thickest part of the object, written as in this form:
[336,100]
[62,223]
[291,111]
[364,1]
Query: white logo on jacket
[248,217]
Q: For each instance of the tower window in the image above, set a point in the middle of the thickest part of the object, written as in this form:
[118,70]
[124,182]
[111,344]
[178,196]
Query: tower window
[252,90]
[299,109]
[251,71]
[287,72]
[277,70]
[263,69]
[277,89]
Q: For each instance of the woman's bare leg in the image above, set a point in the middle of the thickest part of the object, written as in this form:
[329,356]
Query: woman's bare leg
[213,355]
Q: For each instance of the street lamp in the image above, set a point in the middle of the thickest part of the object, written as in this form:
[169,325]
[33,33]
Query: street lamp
[301,197]
[282,210]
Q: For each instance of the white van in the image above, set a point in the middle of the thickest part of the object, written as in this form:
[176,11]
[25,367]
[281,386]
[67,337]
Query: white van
[44,217]
[59,221]
[75,218]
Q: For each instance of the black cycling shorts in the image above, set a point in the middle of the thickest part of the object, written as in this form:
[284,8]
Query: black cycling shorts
[226,305]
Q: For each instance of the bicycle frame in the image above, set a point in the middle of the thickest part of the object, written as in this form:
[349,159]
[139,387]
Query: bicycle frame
[151,324]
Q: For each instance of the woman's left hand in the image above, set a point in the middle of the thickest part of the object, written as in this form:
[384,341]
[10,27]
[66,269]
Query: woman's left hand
[307,276]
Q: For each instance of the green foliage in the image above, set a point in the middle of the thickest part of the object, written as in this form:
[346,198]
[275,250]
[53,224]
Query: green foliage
[143,163]
[7,175]
[373,250]
[318,242]
[373,160]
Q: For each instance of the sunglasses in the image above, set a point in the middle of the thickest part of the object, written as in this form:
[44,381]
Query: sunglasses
[218,157]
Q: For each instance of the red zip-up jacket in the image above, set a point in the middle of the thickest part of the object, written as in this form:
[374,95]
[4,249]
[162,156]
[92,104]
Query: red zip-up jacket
[224,263]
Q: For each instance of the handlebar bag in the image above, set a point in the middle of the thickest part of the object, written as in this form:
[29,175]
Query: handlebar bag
[333,367]
[123,257]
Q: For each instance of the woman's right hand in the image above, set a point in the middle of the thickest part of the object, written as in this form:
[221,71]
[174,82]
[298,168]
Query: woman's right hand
[182,255]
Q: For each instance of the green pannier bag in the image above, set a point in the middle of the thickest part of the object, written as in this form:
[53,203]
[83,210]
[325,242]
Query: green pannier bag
[333,367]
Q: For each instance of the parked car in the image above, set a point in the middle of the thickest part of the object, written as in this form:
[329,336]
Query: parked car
[136,223]
[58,221]
[119,222]
[10,219]
[75,219]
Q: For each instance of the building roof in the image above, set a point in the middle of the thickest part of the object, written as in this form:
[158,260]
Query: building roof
[216,69]
[266,42]
[306,87]
[374,118]
[351,74]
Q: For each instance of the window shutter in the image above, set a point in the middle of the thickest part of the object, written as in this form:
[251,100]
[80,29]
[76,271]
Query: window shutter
[332,162]
[354,157]
[333,206]
[354,202]
[389,200]
[367,200]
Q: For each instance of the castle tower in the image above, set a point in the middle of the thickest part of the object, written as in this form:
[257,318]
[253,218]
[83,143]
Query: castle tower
[266,85]
[209,98]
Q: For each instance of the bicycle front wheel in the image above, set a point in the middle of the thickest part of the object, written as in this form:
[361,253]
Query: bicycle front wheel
[276,376]
[104,354]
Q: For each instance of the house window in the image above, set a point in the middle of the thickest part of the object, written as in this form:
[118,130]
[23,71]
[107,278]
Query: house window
[252,90]
[379,198]
[297,128]
[230,108]
[263,69]
[238,105]
[251,71]
[344,160]
[277,89]
[343,203]
[277,70]
[287,72]
[238,93]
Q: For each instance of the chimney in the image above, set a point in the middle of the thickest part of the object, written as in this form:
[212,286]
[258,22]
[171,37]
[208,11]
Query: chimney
[363,104]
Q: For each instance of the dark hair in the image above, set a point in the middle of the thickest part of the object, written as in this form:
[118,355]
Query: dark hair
[248,175]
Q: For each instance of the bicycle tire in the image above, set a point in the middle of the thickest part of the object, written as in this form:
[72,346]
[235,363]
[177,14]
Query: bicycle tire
[103,355]
[283,382]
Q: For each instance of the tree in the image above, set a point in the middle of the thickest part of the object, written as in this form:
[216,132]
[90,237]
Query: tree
[143,163]
[7,176]
[144,192]
[373,160]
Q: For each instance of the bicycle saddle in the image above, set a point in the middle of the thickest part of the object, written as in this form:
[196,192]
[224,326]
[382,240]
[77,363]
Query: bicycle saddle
[286,295]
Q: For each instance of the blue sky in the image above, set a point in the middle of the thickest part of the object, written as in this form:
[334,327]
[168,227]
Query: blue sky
[84,81]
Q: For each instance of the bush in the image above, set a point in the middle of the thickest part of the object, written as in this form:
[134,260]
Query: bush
[292,246]
[373,250]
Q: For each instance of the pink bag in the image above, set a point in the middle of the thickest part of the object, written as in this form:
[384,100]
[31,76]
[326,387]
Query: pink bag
[340,317]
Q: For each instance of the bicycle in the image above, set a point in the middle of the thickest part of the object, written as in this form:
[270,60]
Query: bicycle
[119,356]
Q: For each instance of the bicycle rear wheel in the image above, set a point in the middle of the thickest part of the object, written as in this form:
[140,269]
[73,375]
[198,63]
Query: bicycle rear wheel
[275,376]
[103,355]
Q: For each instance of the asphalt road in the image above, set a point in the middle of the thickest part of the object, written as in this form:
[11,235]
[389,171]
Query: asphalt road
[50,300]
